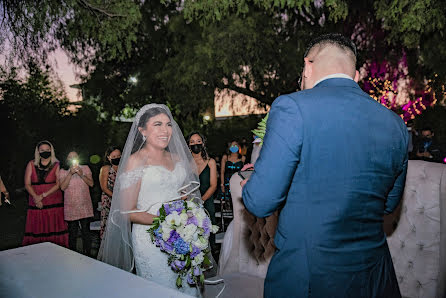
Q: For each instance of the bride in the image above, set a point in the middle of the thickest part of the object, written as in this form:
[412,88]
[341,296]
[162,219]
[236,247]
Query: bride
[156,166]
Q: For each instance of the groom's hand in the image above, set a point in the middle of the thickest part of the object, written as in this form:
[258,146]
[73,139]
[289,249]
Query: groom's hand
[248,166]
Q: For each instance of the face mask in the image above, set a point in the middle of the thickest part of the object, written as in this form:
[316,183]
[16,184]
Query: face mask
[115,161]
[233,149]
[45,154]
[196,148]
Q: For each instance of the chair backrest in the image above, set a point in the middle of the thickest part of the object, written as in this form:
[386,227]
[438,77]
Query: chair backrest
[251,243]
[418,242]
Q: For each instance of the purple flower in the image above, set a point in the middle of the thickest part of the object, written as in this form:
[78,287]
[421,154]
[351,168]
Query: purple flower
[173,236]
[195,251]
[159,243]
[178,265]
[167,247]
[192,220]
[181,246]
[158,233]
[197,271]
[190,279]
[178,206]
[167,209]
[207,226]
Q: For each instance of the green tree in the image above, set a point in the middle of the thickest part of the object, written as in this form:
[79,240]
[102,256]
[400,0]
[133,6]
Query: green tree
[29,109]
[85,28]
[418,26]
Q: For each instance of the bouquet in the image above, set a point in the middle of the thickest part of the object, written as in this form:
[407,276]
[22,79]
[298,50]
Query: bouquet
[182,230]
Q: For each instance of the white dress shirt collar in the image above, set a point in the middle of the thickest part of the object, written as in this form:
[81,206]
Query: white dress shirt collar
[332,76]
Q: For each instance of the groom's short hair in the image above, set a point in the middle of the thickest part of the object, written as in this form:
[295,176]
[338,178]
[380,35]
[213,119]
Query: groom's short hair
[334,39]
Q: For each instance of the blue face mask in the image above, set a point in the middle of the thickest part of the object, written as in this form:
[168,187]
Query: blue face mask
[233,149]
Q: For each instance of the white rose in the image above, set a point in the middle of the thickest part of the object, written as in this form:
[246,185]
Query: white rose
[198,259]
[214,229]
[201,243]
[184,218]
[180,230]
[165,230]
[188,232]
[200,215]
[191,205]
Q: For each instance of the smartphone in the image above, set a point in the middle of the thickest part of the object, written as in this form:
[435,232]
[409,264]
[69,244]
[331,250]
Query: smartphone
[75,163]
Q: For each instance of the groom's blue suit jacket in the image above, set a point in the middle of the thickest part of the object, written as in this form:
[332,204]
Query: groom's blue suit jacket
[334,161]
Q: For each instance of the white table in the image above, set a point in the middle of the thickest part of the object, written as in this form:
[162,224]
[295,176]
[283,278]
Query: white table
[47,270]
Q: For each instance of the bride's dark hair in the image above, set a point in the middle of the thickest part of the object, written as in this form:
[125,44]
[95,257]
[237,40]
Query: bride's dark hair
[139,141]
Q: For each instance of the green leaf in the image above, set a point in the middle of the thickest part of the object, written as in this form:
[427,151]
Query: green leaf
[206,261]
[179,282]
[202,278]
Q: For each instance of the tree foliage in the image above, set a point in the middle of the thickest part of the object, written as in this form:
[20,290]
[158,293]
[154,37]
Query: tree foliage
[87,29]
[181,52]
[32,108]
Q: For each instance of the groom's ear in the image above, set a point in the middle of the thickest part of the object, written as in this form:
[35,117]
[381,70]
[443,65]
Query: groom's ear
[308,69]
[356,76]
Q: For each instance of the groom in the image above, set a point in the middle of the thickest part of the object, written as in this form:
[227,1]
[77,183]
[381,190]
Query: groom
[333,161]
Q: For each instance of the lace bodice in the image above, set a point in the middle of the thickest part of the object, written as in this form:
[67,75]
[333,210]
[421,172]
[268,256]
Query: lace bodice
[159,185]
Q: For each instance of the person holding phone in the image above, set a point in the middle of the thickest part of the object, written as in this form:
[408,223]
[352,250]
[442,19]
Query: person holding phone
[75,182]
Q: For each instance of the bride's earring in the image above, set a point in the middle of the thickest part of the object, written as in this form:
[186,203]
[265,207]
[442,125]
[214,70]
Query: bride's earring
[143,138]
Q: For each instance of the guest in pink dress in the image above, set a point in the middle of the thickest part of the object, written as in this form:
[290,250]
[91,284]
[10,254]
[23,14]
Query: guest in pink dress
[45,218]
[75,182]
[107,178]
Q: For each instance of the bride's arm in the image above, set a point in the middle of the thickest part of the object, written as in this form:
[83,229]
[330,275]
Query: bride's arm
[142,218]
[131,185]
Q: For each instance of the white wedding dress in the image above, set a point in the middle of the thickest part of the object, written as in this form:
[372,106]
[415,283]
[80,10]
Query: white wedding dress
[158,185]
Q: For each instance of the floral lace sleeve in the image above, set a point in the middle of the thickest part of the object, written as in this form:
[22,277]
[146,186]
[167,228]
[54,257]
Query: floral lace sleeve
[127,179]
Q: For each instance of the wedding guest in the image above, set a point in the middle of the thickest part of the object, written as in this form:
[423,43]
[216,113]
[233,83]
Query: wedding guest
[207,169]
[427,149]
[45,218]
[4,192]
[107,177]
[413,136]
[244,147]
[231,163]
[75,182]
